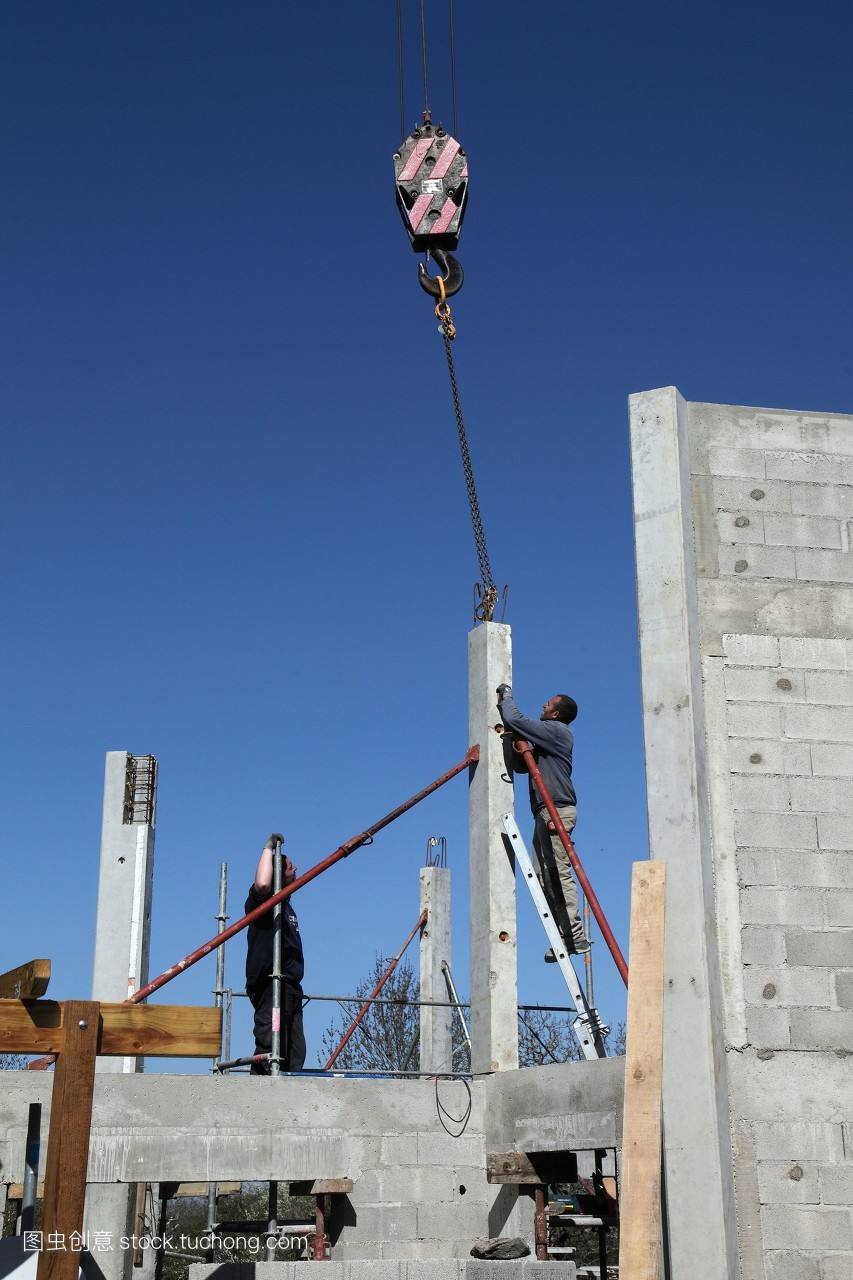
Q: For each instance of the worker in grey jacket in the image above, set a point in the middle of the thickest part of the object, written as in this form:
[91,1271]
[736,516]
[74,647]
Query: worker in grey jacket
[552,742]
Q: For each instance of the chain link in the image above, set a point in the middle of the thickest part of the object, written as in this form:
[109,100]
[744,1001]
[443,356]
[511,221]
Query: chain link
[488,592]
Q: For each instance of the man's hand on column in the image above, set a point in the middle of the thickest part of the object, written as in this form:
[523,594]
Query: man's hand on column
[274,840]
[502,691]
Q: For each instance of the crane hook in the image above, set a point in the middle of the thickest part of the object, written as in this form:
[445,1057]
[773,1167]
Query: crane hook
[452,275]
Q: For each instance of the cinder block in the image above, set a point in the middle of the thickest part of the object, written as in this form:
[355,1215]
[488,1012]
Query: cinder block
[844,991]
[768,1028]
[434,1269]
[831,724]
[451,1221]
[839,909]
[758,562]
[820,500]
[819,947]
[836,1183]
[762,946]
[750,651]
[821,1029]
[824,566]
[737,462]
[810,468]
[776,831]
[788,1182]
[785,986]
[754,720]
[813,653]
[835,688]
[735,527]
[778,684]
[765,795]
[757,756]
[551,1270]
[385,1222]
[784,1265]
[400,1149]
[802,531]
[836,1266]
[758,866]
[819,870]
[835,831]
[743,497]
[480,1269]
[373,1269]
[434,1148]
[832,761]
[762,905]
[801,1227]
[798,1141]
[820,795]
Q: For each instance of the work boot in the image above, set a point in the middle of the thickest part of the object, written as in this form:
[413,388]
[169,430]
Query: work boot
[581,946]
[550,958]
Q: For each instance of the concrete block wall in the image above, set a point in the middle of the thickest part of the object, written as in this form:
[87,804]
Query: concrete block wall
[768,559]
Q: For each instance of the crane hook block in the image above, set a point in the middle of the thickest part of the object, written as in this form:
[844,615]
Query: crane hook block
[431,172]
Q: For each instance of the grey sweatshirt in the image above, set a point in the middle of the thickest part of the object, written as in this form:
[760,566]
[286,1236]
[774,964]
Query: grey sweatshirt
[552,744]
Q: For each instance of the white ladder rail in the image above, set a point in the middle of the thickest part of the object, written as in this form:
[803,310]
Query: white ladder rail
[587,1027]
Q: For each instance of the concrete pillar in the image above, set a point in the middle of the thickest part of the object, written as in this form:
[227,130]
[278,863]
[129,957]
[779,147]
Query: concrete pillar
[695,1107]
[436,1024]
[122,938]
[494,978]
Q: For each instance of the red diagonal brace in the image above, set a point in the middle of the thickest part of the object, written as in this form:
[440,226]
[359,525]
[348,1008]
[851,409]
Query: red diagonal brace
[343,851]
[395,960]
[526,750]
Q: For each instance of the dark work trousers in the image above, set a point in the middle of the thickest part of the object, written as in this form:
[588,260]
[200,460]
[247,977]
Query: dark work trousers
[292,1035]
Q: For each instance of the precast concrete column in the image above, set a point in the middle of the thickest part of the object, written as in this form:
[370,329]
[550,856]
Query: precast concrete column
[695,1104]
[436,1024]
[494,977]
[122,940]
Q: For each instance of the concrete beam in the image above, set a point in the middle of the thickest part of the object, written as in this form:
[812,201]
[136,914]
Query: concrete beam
[494,971]
[436,1045]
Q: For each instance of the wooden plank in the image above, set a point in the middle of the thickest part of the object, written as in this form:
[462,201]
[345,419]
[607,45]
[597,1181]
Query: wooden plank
[68,1142]
[31,1026]
[159,1030]
[28,981]
[531,1168]
[322,1187]
[640,1198]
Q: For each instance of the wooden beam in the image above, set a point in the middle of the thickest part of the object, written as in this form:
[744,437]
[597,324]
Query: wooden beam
[321,1187]
[68,1142]
[158,1030]
[640,1198]
[27,982]
[531,1168]
[31,1026]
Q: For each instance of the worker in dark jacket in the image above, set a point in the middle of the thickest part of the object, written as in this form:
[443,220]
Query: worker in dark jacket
[259,960]
[552,743]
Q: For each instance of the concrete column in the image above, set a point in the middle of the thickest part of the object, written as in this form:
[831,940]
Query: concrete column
[436,1024]
[494,978]
[122,939]
[695,1106]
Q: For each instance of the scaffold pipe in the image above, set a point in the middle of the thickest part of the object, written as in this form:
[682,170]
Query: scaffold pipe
[525,749]
[395,960]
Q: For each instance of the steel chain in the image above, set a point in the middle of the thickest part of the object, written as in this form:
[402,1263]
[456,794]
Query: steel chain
[489,592]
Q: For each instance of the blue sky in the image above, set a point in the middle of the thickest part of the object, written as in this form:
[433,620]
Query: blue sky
[234,529]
